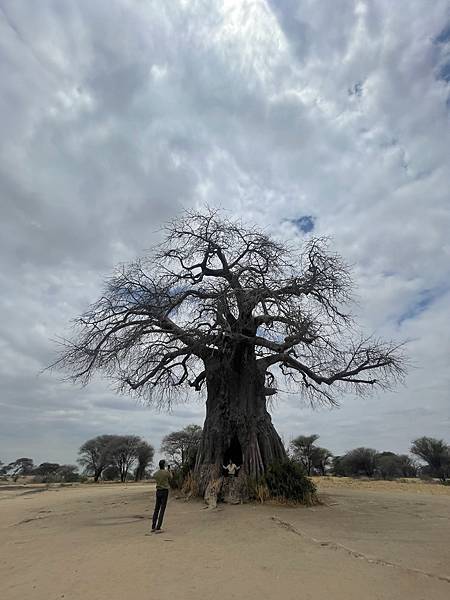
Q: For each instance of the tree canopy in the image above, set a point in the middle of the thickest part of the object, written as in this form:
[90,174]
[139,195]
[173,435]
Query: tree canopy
[115,455]
[123,453]
[313,458]
[214,283]
[20,467]
[95,455]
[144,455]
[181,446]
[228,309]
[436,453]
[302,448]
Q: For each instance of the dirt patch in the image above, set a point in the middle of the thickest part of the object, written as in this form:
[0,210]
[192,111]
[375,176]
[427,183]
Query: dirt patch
[94,543]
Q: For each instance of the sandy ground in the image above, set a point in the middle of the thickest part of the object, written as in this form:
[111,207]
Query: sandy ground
[88,542]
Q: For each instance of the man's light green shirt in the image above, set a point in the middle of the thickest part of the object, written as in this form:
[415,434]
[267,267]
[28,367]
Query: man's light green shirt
[162,478]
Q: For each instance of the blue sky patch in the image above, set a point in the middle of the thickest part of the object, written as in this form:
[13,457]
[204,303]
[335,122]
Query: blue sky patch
[304,223]
[422,302]
[444,72]
[443,39]
[444,36]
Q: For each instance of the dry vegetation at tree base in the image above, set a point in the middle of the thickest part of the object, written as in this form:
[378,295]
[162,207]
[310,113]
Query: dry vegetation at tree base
[87,542]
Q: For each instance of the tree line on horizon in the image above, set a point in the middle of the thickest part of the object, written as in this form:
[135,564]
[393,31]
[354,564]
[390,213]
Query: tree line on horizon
[124,457]
[368,462]
[108,456]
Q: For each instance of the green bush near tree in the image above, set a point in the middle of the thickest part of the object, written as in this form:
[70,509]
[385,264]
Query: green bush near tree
[287,481]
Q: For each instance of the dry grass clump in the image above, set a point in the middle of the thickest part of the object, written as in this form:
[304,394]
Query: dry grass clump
[411,485]
[189,486]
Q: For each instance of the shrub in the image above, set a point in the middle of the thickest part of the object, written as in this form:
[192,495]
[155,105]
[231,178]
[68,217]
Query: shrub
[259,491]
[287,481]
[64,474]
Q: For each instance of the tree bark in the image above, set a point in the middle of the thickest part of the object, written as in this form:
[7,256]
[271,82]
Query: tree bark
[236,419]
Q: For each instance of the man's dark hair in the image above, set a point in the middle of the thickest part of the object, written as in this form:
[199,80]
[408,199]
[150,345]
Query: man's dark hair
[162,464]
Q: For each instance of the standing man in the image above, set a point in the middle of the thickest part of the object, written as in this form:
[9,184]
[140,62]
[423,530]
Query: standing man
[162,478]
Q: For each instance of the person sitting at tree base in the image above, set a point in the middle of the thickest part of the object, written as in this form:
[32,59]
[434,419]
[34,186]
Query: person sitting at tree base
[231,469]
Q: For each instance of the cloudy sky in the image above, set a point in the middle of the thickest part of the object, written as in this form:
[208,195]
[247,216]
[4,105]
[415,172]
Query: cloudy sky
[297,115]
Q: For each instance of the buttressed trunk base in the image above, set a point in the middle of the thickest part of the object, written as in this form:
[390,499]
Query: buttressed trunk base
[237,426]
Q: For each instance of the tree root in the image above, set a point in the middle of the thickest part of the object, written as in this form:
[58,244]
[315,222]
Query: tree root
[212,492]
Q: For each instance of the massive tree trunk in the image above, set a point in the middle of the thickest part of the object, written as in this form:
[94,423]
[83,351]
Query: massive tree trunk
[237,424]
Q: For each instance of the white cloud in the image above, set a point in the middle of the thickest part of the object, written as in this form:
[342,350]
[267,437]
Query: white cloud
[114,115]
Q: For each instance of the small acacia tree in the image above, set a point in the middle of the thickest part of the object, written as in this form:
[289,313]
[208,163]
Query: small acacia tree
[303,450]
[68,473]
[408,466]
[46,469]
[361,461]
[224,308]
[321,460]
[20,467]
[388,465]
[123,453]
[314,459]
[436,453]
[95,455]
[144,456]
[181,446]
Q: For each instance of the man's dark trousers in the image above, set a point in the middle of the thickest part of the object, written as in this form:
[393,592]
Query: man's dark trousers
[160,507]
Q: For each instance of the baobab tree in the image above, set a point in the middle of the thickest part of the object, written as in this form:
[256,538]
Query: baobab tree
[223,308]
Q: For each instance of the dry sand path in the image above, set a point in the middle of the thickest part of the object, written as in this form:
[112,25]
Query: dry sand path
[89,543]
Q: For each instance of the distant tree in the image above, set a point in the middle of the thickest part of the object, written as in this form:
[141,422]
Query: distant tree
[360,461]
[181,446]
[302,449]
[123,453]
[321,459]
[436,453]
[408,466]
[110,473]
[366,461]
[144,455]
[3,469]
[20,467]
[391,465]
[46,468]
[95,455]
[68,473]
[338,467]
[388,465]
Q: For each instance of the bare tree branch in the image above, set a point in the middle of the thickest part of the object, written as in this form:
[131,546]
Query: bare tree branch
[215,289]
